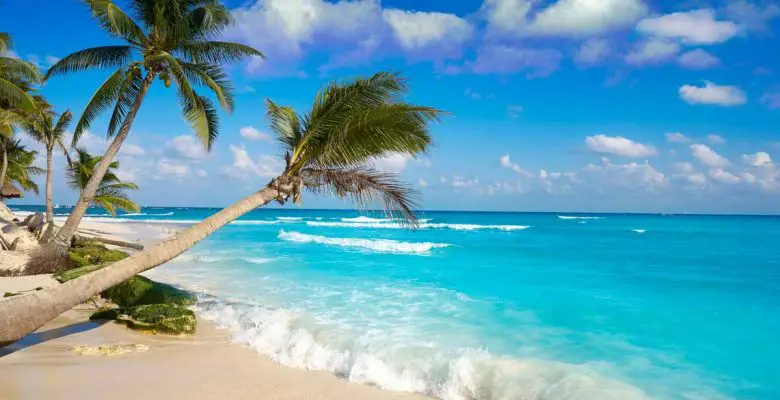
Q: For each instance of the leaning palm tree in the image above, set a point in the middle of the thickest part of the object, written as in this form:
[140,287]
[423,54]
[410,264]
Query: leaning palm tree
[111,194]
[43,129]
[173,42]
[21,165]
[329,149]
[14,71]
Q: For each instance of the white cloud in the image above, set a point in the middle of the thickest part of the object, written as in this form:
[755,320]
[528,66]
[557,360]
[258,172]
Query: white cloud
[592,51]
[752,17]
[128,149]
[201,173]
[630,174]
[422,183]
[504,59]
[713,94]
[472,94]
[684,168]
[167,169]
[186,146]
[506,16]
[771,100]
[244,167]
[620,146]
[708,157]
[677,137]
[392,162]
[692,27]
[420,30]
[652,51]
[514,111]
[459,182]
[722,176]
[508,164]
[252,133]
[587,17]
[698,59]
[759,159]
[715,139]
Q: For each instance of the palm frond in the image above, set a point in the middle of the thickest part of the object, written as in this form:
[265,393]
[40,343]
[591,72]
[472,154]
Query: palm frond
[214,78]
[207,18]
[367,188]
[62,124]
[5,42]
[18,70]
[14,96]
[116,22]
[106,94]
[96,57]
[285,124]
[110,194]
[128,93]
[218,53]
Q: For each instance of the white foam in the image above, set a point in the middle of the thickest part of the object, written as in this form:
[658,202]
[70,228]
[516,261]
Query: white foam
[145,214]
[289,219]
[258,260]
[639,230]
[295,340]
[365,219]
[396,225]
[175,221]
[377,245]
[576,217]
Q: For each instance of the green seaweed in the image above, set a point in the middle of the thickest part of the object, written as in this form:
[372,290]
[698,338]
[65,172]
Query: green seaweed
[107,313]
[161,318]
[140,290]
[91,253]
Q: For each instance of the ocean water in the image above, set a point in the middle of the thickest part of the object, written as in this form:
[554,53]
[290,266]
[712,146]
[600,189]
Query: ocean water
[498,305]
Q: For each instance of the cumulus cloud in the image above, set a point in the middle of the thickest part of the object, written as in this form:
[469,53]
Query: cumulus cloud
[710,93]
[629,174]
[723,176]
[708,157]
[715,139]
[507,163]
[128,149]
[201,173]
[252,133]
[677,137]
[392,162]
[416,31]
[685,171]
[186,146]
[698,59]
[166,168]
[771,100]
[422,182]
[504,60]
[691,27]
[759,159]
[620,146]
[652,51]
[244,167]
[514,111]
[750,16]
[562,18]
[592,51]
[459,182]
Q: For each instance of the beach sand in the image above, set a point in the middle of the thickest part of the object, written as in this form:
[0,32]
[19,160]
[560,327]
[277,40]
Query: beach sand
[206,365]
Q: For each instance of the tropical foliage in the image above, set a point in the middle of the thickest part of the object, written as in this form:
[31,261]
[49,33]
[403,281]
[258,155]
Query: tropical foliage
[42,127]
[21,165]
[169,40]
[14,75]
[111,194]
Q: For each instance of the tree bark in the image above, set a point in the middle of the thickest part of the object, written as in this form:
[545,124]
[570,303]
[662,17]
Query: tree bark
[64,236]
[21,315]
[4,168]
[49,166]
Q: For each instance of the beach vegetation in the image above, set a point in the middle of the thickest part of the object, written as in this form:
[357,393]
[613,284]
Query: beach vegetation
[111,192]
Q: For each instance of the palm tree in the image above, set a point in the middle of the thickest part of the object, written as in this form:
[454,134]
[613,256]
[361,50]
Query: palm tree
[111,192]
[173,43]
[21,166]
[43,129]
[14,73]
[329,149]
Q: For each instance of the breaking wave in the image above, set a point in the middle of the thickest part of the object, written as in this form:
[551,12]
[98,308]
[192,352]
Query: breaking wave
[289,219]
[295,340]
[168,214]
[376,245]
[639,230]
[575,217]
[423,225]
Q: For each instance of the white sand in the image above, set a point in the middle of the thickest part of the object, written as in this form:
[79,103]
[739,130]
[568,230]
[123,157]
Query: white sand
[201,366]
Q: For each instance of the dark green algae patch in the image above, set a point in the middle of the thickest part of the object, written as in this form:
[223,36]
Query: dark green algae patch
[143,304]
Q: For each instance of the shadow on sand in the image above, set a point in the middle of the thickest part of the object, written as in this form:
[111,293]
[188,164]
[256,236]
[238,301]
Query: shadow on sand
[51,334]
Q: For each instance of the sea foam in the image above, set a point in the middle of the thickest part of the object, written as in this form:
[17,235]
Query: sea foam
[376,245]
[576,217]
[396,225]
[295,340]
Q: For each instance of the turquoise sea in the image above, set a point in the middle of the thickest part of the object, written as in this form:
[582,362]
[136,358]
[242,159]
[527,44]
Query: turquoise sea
[498,305]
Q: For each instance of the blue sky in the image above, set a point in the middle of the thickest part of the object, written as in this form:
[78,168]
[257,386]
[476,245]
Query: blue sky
[565,105]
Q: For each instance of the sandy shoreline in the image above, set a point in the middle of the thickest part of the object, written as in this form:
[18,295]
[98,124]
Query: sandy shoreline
[203,366]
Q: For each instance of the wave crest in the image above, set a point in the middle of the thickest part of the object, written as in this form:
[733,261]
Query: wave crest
[395,225]
[576,217]
[376,245]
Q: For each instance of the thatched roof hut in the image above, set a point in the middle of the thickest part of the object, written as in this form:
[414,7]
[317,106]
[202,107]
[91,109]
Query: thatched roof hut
[11,192]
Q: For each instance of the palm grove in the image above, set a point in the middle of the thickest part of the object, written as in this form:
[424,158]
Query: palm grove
[328,149]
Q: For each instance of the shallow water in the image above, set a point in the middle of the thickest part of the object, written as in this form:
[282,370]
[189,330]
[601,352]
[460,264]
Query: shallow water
[500,305]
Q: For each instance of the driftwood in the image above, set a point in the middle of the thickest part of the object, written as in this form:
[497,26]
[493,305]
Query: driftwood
[113,242]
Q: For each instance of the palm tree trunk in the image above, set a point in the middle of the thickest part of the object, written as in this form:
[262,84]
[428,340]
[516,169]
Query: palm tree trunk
[4,168]
[21,315]
[49,166]
[61,241]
